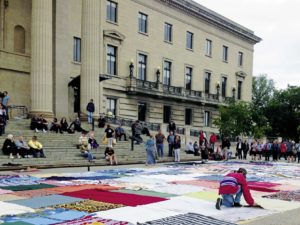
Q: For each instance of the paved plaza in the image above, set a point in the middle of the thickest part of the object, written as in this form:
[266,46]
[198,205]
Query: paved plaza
[170,193]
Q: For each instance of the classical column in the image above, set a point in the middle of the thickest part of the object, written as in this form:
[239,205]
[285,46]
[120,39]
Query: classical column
[41,58]
[90,54]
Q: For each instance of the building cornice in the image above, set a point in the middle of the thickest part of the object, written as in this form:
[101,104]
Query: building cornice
[200,12]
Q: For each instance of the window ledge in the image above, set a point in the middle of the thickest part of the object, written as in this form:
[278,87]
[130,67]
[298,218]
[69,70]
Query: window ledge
[168,42]
[112,22]
[146,34]
[76,63]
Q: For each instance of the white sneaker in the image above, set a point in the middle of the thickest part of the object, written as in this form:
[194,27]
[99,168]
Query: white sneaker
[44,131]
[19,157]
[11,157]
[36,130]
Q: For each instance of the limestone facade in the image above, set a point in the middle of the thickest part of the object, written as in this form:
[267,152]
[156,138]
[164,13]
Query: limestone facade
[96,29]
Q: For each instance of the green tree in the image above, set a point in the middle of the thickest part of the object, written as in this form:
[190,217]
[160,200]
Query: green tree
[263,90]
[235,119]
[283,113]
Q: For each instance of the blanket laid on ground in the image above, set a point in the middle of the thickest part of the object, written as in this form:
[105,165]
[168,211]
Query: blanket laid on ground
[285,195]
[45,201]
[89,206]
[114,197]
[89,220]
[27,187]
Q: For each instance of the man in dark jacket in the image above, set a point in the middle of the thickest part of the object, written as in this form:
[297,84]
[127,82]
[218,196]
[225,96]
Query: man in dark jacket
[90,108]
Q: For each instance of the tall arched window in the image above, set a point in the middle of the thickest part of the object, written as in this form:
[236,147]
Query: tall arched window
[19,39]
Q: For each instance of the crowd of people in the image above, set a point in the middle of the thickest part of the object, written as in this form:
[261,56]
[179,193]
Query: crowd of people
[204,147]
[19,148]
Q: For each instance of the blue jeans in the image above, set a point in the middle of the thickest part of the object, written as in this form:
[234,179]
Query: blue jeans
[87,155]
[90,117]
[160,150]
[229,200]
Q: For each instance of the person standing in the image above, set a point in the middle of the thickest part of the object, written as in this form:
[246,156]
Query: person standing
[239,149]
[2,119]
[170,140]
[172,127]
[245,149]
[160,138]
[212,141]
[109,135]
[225,147]
[5,103]
[177,146]
[90,108]
[150,149]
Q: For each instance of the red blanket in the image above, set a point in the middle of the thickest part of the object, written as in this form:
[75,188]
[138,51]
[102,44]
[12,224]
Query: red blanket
[114,197]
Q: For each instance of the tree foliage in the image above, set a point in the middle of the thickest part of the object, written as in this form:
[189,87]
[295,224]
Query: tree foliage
[235,119]
[283,113]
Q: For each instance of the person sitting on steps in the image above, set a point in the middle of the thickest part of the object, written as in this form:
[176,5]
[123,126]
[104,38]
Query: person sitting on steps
[110,155]
[77,126]
[23,147]
[9,147]
[119,132]
[92,141]
[36,148]
[56,126]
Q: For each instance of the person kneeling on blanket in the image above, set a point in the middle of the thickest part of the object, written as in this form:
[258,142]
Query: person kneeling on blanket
[232,187]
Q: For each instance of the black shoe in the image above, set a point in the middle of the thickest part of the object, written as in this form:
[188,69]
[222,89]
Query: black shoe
[237,204]
[219,203]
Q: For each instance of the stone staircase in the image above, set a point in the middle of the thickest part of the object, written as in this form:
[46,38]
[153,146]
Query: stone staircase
[61,150]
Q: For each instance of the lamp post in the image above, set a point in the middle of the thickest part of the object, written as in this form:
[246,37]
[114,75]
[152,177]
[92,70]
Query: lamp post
[131,67]
[218,89]
[233,92]
[157,75]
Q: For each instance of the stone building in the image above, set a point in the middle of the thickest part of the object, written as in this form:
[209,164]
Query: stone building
[151,60]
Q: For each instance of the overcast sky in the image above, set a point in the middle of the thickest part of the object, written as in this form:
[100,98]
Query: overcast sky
[277,23]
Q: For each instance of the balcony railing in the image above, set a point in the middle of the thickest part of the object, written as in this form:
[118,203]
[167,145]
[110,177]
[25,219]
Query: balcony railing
[158,89]
[128,122]
[146,84]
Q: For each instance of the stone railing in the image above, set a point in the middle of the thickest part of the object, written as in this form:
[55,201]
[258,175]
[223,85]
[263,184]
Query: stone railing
[128,122]
[158,89]
[18,111]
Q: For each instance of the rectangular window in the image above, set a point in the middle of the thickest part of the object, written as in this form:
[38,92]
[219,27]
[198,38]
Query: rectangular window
[225,53]
[111,60]
[239,93]
[188,116]
[111,11]
[208,47]
[188,78]
[224,84]
[111,105]
[167,73]
[168,32]
[189,40]
[142,110]
[207,76]
[142,67]
[77,49]
[240,59]
[206,119]
[167,114]
[143,23]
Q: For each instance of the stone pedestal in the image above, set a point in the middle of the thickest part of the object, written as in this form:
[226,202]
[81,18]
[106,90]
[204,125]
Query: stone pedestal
[90,55]
[41,58]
